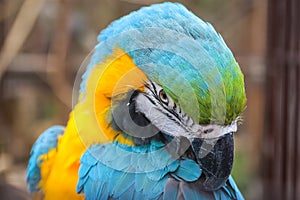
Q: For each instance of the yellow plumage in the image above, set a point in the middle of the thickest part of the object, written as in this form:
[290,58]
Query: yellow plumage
[59,171]
[88,124]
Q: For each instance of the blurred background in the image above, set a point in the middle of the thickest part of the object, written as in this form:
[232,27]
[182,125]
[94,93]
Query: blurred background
[43,43]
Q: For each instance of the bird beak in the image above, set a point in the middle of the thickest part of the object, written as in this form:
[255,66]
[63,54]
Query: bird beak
[215,156]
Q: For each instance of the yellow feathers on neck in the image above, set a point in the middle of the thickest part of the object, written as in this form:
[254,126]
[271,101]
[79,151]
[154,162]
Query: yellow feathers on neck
[116,75]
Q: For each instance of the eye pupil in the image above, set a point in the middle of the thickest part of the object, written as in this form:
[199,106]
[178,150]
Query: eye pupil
[163,96]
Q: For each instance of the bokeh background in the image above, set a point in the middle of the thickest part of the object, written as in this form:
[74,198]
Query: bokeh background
[44,42]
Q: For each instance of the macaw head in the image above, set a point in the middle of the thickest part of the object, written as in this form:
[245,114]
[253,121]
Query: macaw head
[162,73]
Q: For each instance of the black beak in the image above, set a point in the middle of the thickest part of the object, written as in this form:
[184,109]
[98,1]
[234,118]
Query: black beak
[215,156]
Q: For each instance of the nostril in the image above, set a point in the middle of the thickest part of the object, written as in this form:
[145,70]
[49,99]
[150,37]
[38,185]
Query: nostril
[208,131]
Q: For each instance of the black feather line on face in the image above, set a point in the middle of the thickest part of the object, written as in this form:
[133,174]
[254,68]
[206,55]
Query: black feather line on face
[128,104]
[169,112]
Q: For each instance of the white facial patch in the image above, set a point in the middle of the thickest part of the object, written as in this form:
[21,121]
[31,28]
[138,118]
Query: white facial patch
[157,117]
[213,130]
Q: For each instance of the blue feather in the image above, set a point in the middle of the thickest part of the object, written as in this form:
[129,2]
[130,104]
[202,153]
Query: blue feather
[189,170]
[221,195]
[46,141]
[124,182]
[238,194]
[171,189]
[129,194]
[189,193]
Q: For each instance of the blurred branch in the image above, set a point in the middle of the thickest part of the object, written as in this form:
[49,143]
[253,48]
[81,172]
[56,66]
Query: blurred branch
[58,53]
[21,27]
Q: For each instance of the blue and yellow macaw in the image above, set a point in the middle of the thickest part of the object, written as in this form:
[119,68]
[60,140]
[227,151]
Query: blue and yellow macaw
[159,103]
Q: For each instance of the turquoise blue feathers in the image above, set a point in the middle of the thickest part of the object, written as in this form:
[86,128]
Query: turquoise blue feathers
[116,171]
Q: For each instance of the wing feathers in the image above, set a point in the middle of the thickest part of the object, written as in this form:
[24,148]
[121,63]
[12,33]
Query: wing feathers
[47,140]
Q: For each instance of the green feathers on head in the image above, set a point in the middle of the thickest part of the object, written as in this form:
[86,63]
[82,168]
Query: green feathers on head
[210,95]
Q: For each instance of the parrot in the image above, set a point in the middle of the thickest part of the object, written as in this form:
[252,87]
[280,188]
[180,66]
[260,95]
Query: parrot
[159,102]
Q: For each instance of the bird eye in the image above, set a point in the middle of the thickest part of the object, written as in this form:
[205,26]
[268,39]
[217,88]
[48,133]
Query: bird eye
[163,97]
